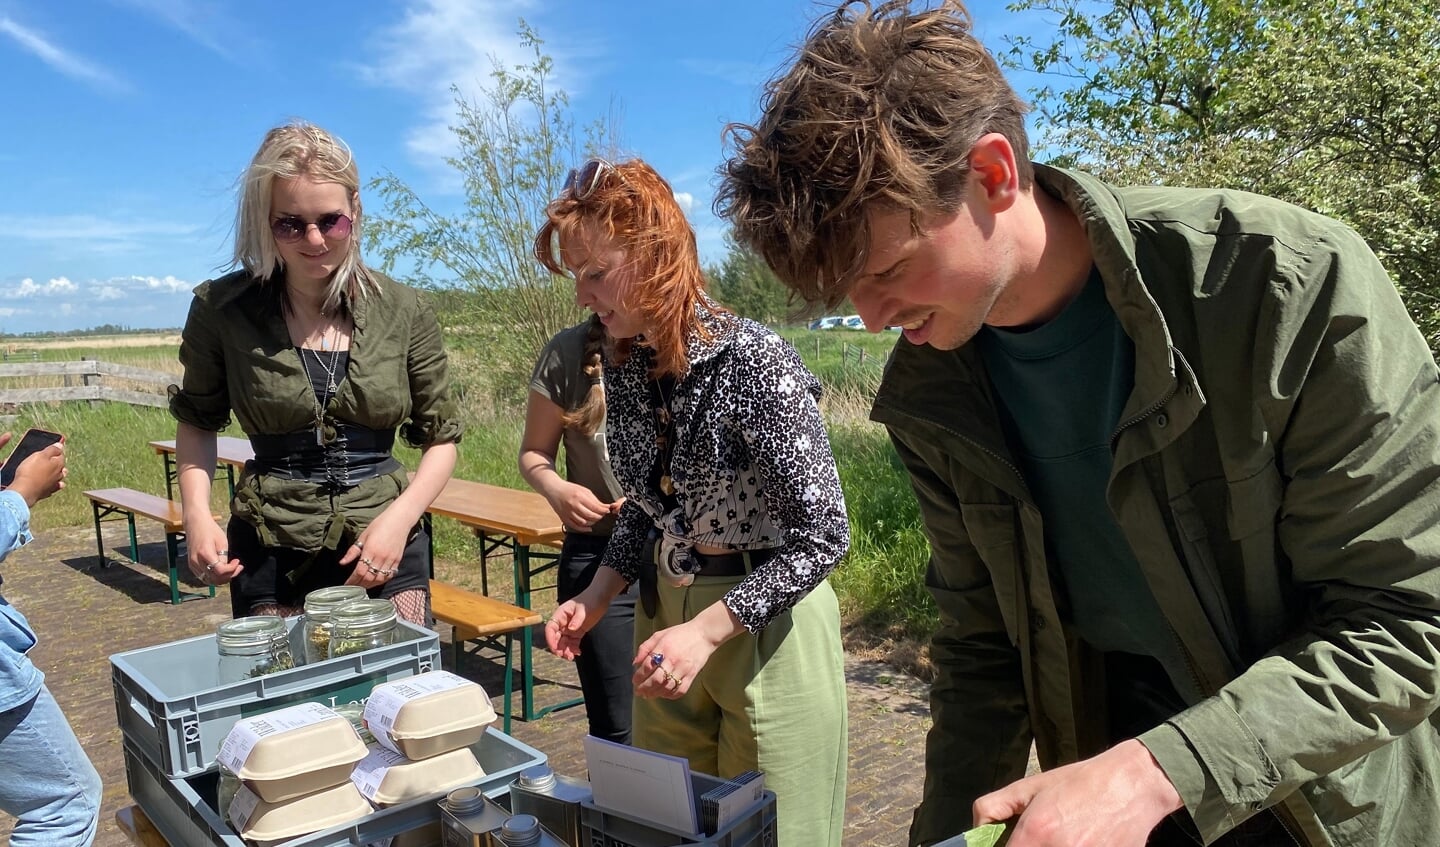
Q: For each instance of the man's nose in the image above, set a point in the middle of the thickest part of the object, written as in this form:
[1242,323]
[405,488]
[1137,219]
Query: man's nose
[870,306]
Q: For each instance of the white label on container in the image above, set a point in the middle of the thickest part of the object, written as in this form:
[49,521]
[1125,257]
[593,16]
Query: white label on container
[388,699]
[242,807]
[245,734]
[371,770]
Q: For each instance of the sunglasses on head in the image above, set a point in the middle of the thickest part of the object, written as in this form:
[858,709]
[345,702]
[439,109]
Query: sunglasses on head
[334,226]
[581,182]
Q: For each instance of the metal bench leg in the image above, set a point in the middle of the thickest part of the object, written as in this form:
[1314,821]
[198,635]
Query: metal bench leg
[509,665]
[99,537]
[134,542]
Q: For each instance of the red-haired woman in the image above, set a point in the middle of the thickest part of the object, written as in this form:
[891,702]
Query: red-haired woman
[733,516]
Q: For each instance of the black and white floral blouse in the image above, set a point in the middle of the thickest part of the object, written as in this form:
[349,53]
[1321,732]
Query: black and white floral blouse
[752,466]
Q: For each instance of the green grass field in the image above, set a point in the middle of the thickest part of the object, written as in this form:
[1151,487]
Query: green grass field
[879,582]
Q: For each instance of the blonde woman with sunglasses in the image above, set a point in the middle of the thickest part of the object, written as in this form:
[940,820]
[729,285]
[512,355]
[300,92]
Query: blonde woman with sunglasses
[733,514]
[320,359]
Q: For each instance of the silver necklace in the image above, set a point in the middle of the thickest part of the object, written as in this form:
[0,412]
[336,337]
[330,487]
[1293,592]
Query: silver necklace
[331,386]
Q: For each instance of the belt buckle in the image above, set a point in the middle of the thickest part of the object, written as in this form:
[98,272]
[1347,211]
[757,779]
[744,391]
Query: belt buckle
[674,563]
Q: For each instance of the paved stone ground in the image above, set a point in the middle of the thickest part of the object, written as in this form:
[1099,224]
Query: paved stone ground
[83,613]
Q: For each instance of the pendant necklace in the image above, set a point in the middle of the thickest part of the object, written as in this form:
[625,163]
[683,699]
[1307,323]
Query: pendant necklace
[664,433]
[331,386]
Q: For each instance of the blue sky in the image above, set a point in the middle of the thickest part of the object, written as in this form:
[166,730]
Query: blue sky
[124,123]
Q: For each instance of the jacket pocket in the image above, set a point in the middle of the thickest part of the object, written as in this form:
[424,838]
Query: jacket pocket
[1222,528]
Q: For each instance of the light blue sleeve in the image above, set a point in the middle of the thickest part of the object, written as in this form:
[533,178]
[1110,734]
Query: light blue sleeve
[14,523]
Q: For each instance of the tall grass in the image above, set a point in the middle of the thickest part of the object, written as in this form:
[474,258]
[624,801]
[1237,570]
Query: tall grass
[879,581]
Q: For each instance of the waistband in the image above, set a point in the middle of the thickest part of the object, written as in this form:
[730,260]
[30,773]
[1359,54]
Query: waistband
[300,447]
[736,563]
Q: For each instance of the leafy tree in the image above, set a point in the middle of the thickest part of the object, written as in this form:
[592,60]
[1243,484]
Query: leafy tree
[516,142]
[1325,103]
[745,284]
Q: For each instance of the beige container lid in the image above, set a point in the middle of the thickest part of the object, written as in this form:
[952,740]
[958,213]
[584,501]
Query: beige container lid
[385,777]
[428,714]
[258,820]
[292,751]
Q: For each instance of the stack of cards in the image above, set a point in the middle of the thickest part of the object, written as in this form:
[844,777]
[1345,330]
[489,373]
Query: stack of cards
[722,805]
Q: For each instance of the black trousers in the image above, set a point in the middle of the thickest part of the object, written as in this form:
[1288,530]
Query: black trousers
[606,651]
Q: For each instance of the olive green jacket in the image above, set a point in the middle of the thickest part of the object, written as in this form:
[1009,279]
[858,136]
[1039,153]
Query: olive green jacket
[238,357]
[1277,473]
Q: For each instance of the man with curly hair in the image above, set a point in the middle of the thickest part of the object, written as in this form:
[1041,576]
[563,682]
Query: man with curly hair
[1177,453]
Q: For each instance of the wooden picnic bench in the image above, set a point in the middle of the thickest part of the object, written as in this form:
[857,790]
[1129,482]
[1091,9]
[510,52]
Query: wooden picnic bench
[475,617]
[108,502]
[512,519]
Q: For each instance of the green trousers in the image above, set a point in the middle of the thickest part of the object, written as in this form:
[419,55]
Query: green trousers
[773,702]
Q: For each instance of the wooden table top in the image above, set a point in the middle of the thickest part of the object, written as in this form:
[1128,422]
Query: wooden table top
[230,450]
[525,515]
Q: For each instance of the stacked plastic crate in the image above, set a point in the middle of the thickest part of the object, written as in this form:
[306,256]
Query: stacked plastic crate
[174,713]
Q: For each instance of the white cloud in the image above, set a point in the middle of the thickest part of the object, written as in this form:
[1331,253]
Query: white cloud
[91,234]
[28,287]
[440,43]
[108,292]
[686,201]
[69,64]
[167,284]
[204,21]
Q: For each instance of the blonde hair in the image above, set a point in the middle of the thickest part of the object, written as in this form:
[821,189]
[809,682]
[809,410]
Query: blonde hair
[291,151]
[634,206]
[880,107]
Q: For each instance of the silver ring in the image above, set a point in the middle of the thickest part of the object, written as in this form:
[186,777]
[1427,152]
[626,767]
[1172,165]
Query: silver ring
[367,561]
[210,568]
[373,570]
[359,545]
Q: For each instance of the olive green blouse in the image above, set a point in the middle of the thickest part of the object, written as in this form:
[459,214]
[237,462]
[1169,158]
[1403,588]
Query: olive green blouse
[238,357]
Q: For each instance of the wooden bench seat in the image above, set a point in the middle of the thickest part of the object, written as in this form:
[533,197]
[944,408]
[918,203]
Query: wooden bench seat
[475,617]
[107,502]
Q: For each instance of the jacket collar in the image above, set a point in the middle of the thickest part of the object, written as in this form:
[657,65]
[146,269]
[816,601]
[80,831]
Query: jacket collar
[230,288]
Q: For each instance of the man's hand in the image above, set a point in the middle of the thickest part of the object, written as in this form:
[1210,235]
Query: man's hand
[1111,800]
[41,473]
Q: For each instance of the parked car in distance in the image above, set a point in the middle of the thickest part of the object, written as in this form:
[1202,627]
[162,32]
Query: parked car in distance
[829,322]
[853,322]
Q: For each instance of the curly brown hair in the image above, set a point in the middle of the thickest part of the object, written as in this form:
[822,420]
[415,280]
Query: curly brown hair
[880,108]
[636,207]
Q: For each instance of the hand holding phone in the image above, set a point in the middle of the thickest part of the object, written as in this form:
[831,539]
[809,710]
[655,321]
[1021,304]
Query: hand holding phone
[38,479]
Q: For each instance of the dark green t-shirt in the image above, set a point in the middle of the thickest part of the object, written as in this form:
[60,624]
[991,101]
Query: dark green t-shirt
[1061,388]
[558,377]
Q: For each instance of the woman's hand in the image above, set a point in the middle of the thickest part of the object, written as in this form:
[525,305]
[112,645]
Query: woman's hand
[376,554]
[668,662]
[572,620]
[577,506]
[208,557]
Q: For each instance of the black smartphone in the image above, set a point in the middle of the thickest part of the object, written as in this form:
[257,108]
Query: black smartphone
[33,441]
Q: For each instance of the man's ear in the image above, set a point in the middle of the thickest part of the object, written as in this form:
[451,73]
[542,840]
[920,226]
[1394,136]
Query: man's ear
[993,172]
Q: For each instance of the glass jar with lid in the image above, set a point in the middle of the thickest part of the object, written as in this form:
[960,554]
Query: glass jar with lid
[318,606]
[362,625]
[252,646]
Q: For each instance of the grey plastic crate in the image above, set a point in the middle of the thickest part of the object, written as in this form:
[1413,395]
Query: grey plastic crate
[755,828]
[183,810]
[172,708]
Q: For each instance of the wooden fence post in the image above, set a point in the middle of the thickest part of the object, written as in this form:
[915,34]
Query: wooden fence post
[89,379]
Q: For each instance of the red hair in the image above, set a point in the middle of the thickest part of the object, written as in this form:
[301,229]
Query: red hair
[636,208]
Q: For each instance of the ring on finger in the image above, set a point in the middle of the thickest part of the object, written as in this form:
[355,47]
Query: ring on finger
[671,678]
